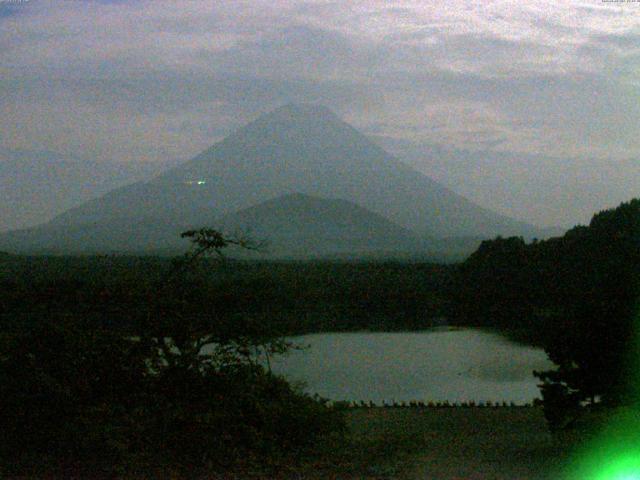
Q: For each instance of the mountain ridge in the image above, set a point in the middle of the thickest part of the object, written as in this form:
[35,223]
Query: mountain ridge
[296,148]
[36,186]
[293,226]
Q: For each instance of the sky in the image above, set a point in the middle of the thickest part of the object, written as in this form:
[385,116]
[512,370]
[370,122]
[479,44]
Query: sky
[158,80]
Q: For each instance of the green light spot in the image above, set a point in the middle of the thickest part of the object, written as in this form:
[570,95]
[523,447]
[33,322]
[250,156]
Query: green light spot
[623,472]
[615,452]
[626,467]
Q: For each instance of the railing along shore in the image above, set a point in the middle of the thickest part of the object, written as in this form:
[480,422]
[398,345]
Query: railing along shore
[433,404]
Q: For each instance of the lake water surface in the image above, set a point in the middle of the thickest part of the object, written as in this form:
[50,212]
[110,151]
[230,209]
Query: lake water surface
[438,365]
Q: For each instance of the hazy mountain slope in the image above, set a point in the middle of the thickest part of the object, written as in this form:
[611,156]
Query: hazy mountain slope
[294,225]
[302,225]
[36,186]
[298,148]
[121,235]
[548,190]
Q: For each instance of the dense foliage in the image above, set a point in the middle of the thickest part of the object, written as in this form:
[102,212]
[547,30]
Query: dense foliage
[120,362]
[171,388]
[290,297]
[577,296]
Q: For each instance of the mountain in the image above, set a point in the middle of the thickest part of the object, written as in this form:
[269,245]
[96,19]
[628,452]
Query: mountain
[298,225]
[35,186]
[296,148]
[556,191]
[145,235]
[293,225]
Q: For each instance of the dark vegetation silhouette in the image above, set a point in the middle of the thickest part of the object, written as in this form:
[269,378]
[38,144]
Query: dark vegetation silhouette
[140,365]
[576,296]
[169,389]
[291,297]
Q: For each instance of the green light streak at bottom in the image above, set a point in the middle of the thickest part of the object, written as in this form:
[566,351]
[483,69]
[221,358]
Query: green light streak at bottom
[624,468]
[614,454]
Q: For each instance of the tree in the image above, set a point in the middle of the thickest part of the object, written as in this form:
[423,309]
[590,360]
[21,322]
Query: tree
[176,337]
[595,342]
[577,296]
[493,286]
[174,386]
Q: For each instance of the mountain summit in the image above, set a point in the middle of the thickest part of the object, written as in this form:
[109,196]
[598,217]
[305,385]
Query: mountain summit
[295,149]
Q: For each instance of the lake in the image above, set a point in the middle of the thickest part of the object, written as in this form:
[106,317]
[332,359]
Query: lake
[438,365]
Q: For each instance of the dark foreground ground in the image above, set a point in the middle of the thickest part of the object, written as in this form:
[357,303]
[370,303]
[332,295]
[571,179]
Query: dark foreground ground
[438,444]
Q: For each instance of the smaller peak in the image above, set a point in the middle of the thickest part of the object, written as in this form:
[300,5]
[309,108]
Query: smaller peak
[295,197]
[304,110]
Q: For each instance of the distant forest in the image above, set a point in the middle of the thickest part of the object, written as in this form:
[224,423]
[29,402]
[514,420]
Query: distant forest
[528,291]
[292,297]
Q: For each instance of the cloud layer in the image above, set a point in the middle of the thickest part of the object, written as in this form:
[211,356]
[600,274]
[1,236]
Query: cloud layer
[149,79]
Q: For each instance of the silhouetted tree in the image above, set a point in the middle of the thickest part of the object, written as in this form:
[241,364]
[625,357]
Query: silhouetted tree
[577,296]
[594,342]
[176,388]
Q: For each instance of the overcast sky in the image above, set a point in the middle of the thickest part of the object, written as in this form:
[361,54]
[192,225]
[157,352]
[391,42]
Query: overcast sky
[162,79]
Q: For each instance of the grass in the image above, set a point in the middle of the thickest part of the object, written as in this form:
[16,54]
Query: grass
[439,444]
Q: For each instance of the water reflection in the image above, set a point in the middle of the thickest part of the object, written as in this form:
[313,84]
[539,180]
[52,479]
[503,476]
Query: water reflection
[438,365]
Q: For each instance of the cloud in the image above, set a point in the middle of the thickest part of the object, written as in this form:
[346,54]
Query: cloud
[149,78]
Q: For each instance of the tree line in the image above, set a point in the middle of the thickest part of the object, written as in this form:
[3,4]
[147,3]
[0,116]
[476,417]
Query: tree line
[135,366]
[576,296]
[168,394]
